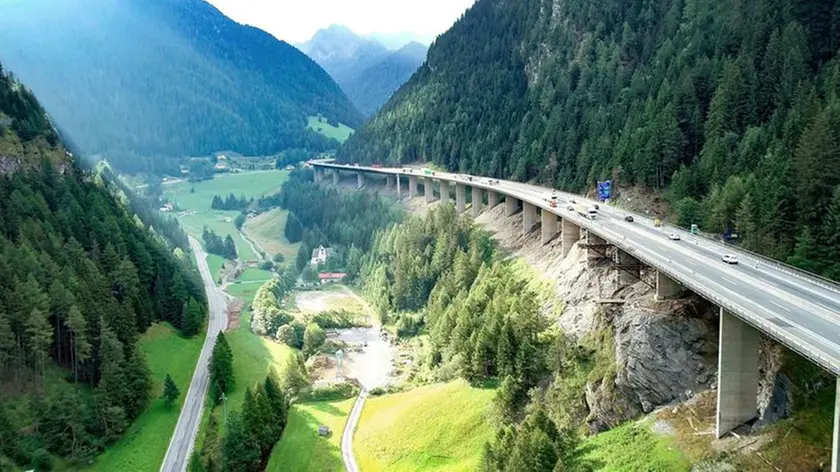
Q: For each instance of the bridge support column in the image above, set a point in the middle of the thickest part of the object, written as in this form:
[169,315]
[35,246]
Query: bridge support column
[444,192]
[596,247]
[737,373]
[360,179]
[477,201]
[412,186]
[571,234]
[428,190]
[666,287]
[511,205]
[628,268]
[549,226]
[388,180]
[335,176]
[319,175]
[460,198]
[529,217]
[399,188]
[492,199]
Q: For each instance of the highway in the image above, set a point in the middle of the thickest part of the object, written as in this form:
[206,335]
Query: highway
[183,439]
[800,311]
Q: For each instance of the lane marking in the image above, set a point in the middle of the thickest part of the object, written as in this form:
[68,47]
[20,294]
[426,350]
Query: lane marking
[780,306]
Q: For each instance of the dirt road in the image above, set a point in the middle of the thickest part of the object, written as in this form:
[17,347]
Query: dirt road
[183,439]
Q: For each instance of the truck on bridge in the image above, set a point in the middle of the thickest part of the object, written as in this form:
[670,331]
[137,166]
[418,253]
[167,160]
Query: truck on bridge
[585,212]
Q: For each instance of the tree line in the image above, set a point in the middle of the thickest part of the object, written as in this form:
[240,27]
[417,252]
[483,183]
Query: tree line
[230,203]
[729,109]
[215,244]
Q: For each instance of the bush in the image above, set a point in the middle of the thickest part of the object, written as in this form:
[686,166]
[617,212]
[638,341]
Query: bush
[336,319]
[338,391]
[42,460]
[267,265]
[279,258]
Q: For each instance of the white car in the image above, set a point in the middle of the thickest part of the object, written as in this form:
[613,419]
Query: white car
[674,237]
[730,258]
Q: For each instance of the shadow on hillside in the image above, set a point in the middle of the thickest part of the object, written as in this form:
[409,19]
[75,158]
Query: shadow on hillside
[325,407]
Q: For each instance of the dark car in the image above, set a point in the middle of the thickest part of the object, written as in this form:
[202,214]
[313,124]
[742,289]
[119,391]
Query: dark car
[628,218]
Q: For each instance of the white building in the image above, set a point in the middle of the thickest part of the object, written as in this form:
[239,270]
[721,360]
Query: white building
[320,255]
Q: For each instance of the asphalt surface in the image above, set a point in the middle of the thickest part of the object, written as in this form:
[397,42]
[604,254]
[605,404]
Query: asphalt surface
[800,311]
[183,439]
[349,428]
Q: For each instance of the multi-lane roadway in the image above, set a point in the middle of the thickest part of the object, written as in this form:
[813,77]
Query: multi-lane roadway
[798,310]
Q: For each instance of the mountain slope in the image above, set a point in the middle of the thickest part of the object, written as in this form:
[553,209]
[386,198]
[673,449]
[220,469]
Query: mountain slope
[166,78]
[81,277]
[733,106]
[365,69]
[372,87]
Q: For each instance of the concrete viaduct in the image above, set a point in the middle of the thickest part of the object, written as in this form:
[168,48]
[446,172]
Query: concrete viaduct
[798,309]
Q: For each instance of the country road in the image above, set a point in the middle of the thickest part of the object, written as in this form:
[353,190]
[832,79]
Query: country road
[347,437]
[183,439]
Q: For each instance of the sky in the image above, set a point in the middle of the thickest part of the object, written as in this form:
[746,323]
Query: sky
[295,21]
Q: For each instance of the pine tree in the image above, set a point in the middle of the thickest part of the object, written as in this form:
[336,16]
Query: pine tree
[170,392]
[81,348]
[221,368]
[112,393]
[192,318]
[238,449]
[40,335]
[7,344]
[139,382]
[831,236]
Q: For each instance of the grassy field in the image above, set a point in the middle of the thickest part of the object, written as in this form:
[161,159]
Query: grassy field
[633,447]
[439,427]
[254,275]
[215,263]
[197,198]
[144,444]
[244,291]
[267,231]
[301,449]
[253,358]
[339,133]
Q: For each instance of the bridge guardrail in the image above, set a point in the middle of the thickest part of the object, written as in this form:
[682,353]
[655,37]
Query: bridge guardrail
[778,265]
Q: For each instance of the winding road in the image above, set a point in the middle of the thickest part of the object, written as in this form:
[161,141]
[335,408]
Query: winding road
[183,438]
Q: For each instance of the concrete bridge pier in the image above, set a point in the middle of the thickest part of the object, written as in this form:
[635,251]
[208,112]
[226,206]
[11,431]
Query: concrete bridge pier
[511,205]
[360,179]
[389,182]
[529,217]
[319,175]
[412,186]
[737,373]
[477,201]
[666,287]
[444,192]
[549,226]
[571,235]
[460,198]
[492,199]
[335,176]
[399,189]
[835,442]
[428,190]
[629,268]
[596,247]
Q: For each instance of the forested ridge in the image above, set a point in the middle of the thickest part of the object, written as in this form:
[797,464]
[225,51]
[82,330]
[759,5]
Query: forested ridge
[81,278]
[144,82]
[729,108]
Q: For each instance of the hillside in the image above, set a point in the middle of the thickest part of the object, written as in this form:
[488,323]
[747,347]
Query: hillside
[138,79]
[732,106]
[81,280]
[364,68]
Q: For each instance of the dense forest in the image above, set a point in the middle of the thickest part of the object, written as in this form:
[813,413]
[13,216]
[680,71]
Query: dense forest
[230,203]
[346,223]
[730,108]
[80,279]
[143,82]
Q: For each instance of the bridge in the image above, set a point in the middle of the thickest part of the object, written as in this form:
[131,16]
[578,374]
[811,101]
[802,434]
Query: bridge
[759,295]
